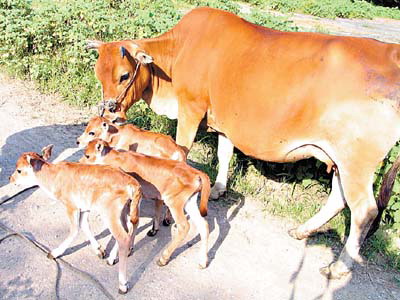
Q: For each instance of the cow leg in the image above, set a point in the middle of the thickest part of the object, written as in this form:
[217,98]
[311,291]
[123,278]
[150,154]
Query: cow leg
[225,152]
[189,119]
[86,229]
[362,204]
[333,206]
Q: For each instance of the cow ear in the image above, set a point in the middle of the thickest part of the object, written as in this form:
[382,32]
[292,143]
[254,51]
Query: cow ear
[46,152]
[93,44]
[144,58]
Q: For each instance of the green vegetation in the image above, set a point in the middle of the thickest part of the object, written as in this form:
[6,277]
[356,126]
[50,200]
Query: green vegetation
[330,9]
[45,41]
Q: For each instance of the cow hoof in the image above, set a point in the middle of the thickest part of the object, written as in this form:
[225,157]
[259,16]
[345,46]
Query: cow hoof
[334,271]
[166,222]
[161,262]
[152,232]
[50,256]
[217,190]
[294,233]
[100,253]
[123,289]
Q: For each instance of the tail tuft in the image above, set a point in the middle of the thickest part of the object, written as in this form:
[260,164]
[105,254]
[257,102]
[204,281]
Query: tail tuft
[384,194]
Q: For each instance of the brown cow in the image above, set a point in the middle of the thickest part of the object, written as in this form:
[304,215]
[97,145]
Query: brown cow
[277,96]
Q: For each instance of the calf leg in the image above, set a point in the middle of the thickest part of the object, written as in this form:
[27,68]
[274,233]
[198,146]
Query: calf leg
[167,218]
[225,152]
[333,206]
[158,204]
[362,204]
[74,218]
[123,242]
[178,231]
[202,227]
[86,229]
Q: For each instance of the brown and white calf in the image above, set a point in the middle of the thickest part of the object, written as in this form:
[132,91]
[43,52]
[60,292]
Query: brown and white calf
[81,188]
[129,137]
[174,182]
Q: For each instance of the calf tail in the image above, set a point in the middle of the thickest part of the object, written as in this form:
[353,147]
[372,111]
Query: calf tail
[135,195]
[384,194]
[205,193]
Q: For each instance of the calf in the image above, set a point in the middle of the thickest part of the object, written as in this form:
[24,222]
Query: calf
[129,137]
[174,182]
[113,193]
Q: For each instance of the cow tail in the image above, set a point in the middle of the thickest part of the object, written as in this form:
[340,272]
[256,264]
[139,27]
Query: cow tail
[384,194]
[205,193]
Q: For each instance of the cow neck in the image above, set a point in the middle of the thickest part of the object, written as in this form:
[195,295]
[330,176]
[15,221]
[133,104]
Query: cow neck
[162,49]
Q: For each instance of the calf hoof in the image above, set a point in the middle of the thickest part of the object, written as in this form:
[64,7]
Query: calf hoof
[162,262]
[334,271]
[50,256]
[166,222]
[217,190]
[130,252]
[123,289]
[294,233]
[152,232]
[111,262]
[100,253]
[202,266]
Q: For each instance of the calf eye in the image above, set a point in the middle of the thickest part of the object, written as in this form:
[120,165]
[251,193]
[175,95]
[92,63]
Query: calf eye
[124,77]
[91,133]
[87,156]
[19,171]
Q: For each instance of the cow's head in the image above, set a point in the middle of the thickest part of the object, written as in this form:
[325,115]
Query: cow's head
[122,68]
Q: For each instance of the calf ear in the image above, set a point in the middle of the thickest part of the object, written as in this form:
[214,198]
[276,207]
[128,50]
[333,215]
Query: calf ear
[105,126]
[46,152]
[143,58]
[35,163]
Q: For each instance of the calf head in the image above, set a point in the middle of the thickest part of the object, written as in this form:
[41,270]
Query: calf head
[98,127]
[95,152]
[122,68]
[28,165]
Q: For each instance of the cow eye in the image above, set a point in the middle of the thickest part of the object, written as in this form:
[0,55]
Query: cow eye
[87,156]
[19,171]
[91,133]
[124,77]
